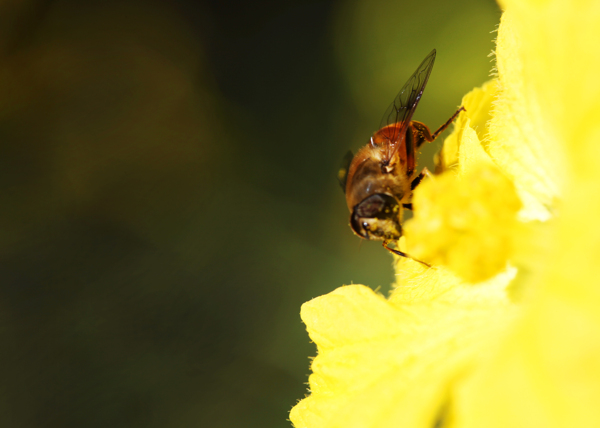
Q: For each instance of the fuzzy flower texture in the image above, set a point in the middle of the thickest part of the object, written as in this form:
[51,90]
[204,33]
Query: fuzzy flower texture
[504,331]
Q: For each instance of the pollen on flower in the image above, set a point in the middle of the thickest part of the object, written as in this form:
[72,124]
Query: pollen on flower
[465,222]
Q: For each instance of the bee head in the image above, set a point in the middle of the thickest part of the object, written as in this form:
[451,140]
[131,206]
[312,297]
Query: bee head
[377,217]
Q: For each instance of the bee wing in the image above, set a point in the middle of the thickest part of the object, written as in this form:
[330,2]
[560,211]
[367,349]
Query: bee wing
[344,168]
[405,103]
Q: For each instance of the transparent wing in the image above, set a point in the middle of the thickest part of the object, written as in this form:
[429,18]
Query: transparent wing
[405,103]
[344,168]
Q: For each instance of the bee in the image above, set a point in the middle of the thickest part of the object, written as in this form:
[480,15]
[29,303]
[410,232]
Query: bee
[380,179]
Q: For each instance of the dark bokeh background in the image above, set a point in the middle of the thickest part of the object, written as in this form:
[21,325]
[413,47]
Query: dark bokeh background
[168,193]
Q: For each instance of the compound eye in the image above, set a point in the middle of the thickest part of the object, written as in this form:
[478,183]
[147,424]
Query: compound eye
[360,227]
[379,206]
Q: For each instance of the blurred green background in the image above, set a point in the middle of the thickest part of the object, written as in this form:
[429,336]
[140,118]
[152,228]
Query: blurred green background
[169,195]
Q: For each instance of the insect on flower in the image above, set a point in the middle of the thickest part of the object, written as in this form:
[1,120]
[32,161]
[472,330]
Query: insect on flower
[379,180]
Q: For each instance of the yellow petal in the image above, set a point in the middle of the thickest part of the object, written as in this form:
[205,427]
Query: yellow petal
[478,104]
[471,155]
[521,140]
[379,360]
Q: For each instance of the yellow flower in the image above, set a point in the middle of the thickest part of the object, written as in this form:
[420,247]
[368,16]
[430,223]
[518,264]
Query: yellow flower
[504,331]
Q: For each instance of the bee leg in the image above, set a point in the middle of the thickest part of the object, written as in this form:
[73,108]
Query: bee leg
[448,122]
[424,173]
[402,254]
[416,181]
[423,133]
